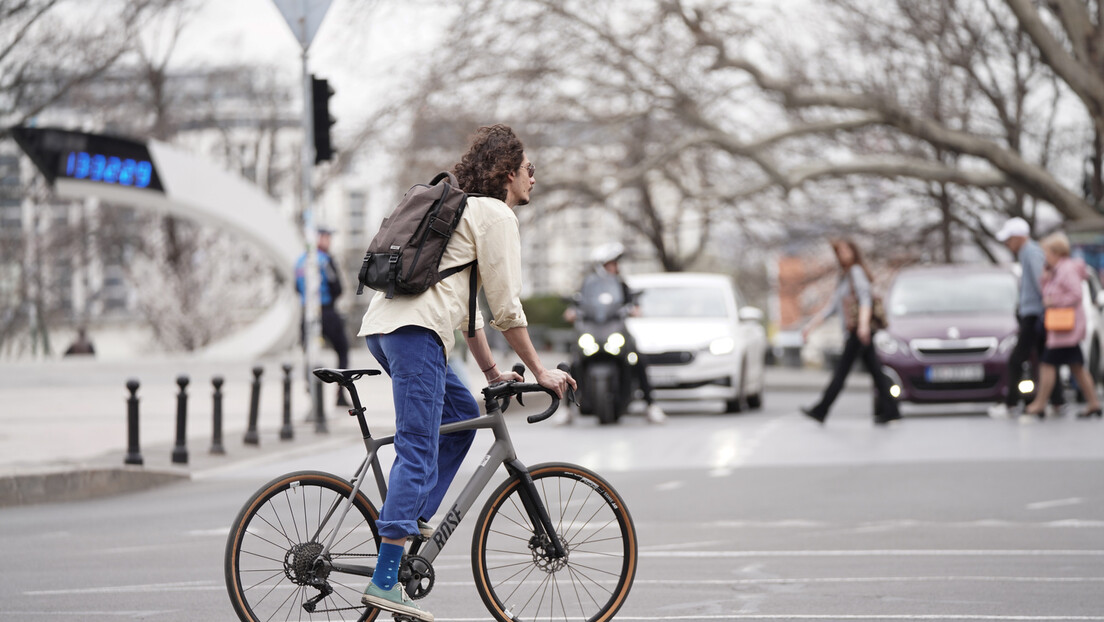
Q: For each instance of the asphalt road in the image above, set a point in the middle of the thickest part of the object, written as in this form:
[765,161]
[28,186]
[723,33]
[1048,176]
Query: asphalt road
[757,516]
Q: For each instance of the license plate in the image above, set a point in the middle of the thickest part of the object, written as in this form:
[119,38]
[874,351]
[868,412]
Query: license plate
[954,373]
[662,380]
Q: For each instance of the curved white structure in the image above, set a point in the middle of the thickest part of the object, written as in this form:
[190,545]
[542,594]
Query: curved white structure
[154,175]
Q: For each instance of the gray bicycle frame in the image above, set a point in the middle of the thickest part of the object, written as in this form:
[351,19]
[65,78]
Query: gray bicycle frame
[501,452]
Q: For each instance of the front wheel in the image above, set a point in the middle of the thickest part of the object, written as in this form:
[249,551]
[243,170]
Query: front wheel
[273,567]
[520,578]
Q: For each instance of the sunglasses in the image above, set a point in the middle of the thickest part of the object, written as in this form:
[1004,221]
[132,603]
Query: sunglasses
[532,170]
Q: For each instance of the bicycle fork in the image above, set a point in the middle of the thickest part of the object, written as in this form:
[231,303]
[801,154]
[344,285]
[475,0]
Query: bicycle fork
[538,513]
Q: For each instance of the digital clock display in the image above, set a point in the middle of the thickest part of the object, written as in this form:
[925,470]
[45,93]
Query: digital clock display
[108,169]
[85,157]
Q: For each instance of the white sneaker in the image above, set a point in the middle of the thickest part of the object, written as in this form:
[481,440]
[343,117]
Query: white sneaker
[998,411]
[655,414]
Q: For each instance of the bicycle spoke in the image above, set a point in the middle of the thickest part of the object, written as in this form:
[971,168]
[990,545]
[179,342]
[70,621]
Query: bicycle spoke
[266,579]
[579,583]
[280,530]
[507,535]
[271,559]
[287,497]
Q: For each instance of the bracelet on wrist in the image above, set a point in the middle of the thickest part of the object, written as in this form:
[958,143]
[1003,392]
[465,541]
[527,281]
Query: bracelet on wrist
[493,365]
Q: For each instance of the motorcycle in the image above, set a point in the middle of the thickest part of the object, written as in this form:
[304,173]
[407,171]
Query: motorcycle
[604,351]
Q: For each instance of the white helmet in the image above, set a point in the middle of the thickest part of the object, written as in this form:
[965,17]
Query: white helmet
[611,251]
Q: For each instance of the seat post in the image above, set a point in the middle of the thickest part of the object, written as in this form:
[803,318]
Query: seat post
[357,410]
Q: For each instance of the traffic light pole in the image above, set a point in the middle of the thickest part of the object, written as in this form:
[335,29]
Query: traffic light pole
[312,310]
[304,17]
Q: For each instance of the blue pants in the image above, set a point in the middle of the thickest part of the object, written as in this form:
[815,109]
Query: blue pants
[427,394]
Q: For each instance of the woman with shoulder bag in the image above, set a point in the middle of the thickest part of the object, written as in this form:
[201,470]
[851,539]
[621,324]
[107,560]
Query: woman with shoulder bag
[854,300]
[1064,320]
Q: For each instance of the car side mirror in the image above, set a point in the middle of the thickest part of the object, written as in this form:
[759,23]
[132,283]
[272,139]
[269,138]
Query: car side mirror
[750,314]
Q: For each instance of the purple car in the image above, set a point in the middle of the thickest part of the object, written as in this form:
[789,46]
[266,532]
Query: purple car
[951,331]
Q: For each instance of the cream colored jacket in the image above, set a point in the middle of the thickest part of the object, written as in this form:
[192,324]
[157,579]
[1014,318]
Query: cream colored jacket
[488,232]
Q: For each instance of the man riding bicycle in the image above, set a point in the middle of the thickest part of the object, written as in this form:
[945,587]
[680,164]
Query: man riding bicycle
[411,337]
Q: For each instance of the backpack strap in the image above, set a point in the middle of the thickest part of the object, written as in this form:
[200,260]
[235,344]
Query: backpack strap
[446,217]
[473,293]
[392,270]
[473,290]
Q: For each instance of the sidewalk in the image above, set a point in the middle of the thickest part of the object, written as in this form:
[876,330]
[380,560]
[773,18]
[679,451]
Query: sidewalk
[63,423]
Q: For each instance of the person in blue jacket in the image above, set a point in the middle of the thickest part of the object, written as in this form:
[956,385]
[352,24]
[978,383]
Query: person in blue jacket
[329,289]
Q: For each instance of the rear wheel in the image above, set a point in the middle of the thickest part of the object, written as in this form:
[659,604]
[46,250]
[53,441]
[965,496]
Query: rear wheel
[272,561]
[520,578]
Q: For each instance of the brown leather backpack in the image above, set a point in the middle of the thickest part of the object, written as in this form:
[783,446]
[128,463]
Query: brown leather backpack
[405,255]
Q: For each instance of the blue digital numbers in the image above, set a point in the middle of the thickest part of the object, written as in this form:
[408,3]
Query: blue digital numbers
[109,169]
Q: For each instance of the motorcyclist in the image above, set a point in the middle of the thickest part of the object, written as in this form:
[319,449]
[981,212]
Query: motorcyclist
[606,261]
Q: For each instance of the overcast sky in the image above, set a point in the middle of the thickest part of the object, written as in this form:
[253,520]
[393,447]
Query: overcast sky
[359,51]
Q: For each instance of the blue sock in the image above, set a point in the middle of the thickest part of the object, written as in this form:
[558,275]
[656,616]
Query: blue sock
[387,566]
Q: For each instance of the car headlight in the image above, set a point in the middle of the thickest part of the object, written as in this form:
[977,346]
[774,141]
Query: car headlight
[885,343]
[1007,344]
[588,344]
[722,346]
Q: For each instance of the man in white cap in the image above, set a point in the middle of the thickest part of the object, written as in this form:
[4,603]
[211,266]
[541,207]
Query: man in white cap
[1016,235]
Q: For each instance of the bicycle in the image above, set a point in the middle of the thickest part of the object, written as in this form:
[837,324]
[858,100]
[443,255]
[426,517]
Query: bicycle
[553,542]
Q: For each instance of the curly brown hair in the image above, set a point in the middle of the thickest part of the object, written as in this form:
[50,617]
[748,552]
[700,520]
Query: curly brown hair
[485,169]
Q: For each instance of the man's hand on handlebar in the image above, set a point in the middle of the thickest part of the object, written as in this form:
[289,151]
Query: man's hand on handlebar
[507,376]
[557,380]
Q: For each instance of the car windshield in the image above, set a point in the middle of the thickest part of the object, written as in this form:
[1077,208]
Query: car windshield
[683,302]
[927,294]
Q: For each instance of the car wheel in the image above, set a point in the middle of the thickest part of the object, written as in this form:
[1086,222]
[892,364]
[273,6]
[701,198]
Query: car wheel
[741,401]
[755,401]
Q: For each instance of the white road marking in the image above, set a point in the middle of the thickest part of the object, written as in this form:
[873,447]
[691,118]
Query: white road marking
[114,614]
[211,586]
[879,553]
[978,579]
[1056,503]
[834,616]
[180,586]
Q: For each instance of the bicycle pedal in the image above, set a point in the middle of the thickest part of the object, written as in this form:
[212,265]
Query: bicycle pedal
[400,617]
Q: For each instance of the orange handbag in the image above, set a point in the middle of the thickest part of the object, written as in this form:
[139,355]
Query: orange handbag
[1059,319]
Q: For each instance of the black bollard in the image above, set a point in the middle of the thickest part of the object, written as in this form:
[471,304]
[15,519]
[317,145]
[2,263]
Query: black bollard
[133,455]
[287,432]
[319,411]
[216,435]
[251,436]
[180,451]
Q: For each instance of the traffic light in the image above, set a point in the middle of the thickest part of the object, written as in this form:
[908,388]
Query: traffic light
[321,94]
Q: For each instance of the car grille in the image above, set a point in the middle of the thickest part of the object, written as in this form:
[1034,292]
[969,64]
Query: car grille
[669,358]
[939,348]
[922,384]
